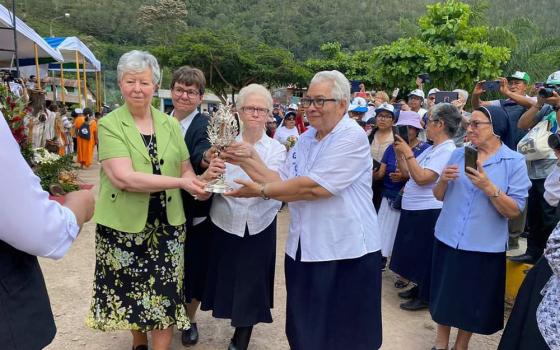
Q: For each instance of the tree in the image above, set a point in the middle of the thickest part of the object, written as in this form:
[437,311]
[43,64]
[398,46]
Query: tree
[453,51]
[230,62]
[165,20]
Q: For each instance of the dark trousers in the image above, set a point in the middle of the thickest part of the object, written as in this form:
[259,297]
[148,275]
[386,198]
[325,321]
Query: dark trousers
[542,219]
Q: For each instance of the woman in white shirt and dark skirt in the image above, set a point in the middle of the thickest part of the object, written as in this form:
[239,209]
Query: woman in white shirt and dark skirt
[333,279]
[414,242]
[240,280]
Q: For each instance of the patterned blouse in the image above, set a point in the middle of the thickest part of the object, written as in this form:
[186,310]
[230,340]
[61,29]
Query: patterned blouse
[548,312]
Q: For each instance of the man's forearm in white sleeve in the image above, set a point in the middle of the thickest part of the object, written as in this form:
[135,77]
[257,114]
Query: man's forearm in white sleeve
[29,221]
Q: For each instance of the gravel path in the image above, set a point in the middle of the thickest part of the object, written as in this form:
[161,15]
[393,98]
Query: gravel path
[69,283]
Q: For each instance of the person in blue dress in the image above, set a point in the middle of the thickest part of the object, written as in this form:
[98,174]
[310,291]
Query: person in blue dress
[471,234]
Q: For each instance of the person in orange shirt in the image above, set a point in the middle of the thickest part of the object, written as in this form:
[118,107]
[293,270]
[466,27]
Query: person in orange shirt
[86,132]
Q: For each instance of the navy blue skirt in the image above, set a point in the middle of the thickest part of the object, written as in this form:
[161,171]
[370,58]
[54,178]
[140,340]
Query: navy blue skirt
[240,281]
[414,244]
[334,305]
[197,256]
[468,289]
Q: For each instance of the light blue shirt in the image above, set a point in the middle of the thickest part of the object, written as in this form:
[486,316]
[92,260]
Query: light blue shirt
[343,226]
[468,219]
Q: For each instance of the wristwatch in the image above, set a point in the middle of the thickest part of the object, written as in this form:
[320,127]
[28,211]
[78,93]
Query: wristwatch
[496,194]
[263,194]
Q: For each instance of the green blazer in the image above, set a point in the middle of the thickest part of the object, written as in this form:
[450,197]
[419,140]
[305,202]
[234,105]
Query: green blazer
[118,137]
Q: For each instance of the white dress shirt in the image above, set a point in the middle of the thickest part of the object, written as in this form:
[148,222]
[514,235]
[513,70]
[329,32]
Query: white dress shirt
[185,123]
[234,214]
[29,221]
[343,226]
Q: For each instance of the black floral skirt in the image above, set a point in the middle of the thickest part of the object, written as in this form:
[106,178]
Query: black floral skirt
[138,279]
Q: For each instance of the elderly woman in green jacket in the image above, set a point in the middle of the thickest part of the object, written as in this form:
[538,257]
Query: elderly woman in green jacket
[140,219]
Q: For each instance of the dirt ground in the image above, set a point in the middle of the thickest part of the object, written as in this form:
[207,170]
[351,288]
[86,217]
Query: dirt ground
[69,282]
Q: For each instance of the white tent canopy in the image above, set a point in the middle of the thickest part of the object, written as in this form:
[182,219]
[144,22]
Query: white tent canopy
[26,38]
[68,47]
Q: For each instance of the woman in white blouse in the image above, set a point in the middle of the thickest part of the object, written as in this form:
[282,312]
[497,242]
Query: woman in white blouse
[333,279]
[240,280]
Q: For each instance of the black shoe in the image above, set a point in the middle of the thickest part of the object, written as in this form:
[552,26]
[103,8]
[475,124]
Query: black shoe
[383,263]
[241,338]
[140,347]
[409,294]
[524,259]
[414,305]
[190,336]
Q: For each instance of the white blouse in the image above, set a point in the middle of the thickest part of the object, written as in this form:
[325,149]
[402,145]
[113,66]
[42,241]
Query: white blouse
[234,214]
[343,226]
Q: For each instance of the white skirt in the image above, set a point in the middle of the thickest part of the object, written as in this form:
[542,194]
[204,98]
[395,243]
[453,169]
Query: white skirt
[388,219]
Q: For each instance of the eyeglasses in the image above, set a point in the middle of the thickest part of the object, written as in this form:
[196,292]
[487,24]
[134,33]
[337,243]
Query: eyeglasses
[252,110]
[433,120]
[190,93]
[384,116]
[432,98]
[475,123]
[317,102]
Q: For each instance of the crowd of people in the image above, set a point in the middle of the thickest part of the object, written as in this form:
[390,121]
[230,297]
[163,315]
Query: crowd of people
[420,186]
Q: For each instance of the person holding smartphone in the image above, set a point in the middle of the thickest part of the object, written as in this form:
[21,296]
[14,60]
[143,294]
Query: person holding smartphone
[393,182]
[380,138]
[412,251]
[471,233]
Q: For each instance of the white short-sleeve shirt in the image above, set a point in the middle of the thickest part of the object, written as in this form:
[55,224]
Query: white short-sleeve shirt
[282,133]
[234,214]
[343,226]
[435,158]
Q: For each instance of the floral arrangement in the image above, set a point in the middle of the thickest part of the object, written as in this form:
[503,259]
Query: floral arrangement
[14,111]
[55,171]
[291,141]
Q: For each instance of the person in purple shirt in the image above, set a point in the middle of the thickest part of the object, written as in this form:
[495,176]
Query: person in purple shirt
[468,263]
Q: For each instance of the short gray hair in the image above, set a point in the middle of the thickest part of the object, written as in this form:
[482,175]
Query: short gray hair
[340,84]
[138,61]
[449,115]
[463,94]
[254,89]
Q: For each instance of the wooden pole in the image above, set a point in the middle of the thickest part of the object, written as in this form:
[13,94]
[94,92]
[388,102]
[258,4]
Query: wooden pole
[97,95]
[62,95]
[37,72]
[78,80]
[85,82]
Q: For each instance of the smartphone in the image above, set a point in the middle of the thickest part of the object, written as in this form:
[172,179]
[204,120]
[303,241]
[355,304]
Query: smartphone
[539,85]
[446,96]
[395,92]
[402,131]
[376,165]
[491,85]
[425,78]
[471,156]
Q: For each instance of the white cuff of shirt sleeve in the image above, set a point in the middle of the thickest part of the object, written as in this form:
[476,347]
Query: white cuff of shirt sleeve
[66,241]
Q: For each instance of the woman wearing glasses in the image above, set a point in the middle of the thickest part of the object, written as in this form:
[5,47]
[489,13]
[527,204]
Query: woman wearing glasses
[333,280]
[240,279]
[140,219]
[412,251]
[471,234]
[380,139]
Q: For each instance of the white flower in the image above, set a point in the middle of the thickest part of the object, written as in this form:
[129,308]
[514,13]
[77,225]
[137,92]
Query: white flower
[42,156]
